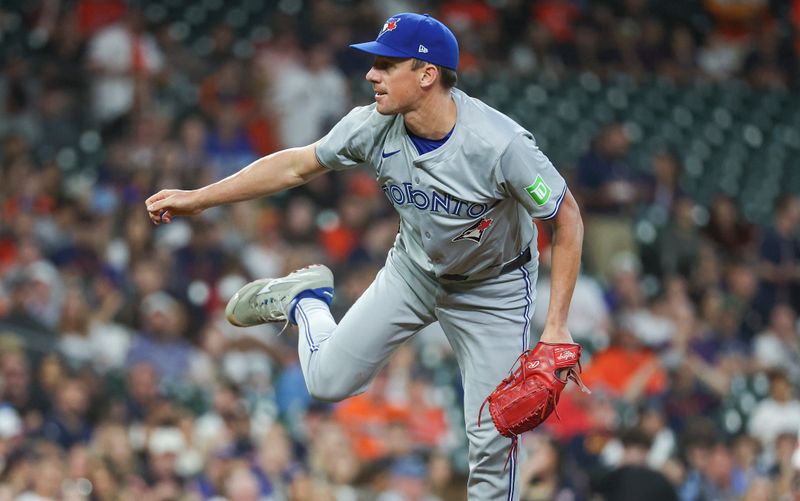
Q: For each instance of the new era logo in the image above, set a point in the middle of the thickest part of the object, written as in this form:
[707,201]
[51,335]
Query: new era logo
[422,49]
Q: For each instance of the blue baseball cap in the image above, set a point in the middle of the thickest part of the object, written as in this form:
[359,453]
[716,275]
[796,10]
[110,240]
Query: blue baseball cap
[415,35]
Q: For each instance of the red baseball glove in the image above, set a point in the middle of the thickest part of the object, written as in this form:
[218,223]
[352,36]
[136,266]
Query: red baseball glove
[529,394]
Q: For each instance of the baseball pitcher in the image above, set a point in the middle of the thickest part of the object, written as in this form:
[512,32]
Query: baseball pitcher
[467,182]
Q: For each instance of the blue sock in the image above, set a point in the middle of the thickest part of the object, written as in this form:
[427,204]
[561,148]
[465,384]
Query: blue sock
[323,294]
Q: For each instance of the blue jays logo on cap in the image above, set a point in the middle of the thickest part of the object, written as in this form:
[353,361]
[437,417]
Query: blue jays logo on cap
[389,25]
[415,35]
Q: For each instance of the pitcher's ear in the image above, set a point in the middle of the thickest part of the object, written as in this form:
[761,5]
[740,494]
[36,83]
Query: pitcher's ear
[429,75]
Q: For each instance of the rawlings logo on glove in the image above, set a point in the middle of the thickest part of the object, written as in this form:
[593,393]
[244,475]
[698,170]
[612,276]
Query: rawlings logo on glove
[529,394]
[566,355]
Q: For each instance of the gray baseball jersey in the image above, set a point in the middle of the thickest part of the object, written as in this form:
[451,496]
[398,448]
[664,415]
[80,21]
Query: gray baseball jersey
[466,207]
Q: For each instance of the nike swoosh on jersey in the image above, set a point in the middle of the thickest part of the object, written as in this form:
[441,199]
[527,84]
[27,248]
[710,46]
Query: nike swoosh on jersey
[387,155]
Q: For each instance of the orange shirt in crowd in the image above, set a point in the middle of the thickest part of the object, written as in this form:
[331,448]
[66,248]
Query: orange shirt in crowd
[472,12]
[428,426]
[613,369]
[735,20]
[558,17]
[366,420]
[339,242]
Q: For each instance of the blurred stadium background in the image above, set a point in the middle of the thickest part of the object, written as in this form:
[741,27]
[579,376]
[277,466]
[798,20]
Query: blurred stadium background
[676,122]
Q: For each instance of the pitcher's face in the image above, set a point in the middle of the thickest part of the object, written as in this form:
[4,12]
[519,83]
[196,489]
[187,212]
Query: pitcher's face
[396,84]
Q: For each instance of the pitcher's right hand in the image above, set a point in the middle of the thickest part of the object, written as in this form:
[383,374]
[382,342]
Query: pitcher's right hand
[166,204]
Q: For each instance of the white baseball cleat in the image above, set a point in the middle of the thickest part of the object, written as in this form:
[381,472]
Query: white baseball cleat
[272,299]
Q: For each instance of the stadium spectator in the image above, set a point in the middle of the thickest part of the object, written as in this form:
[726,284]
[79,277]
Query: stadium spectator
[185,67]
[164,447]
[17,101]
[589,319]
[627,369]
[408,482]
[161,340]
[665,188]
[214,430]
[233,85]
[332,455]
[200,259]
[19,388]
[107,484]
[67,423]
[609,192]
[546,475]
[632,479]
[783,472]
[273,462]
[47,483]
[681,66]
[687,396]
[698,442]
[444,482]
[111,442]
[778,347]
[778,414]
[428,426]
[733,237]
[367,418]
[746,471]
[223,37]
[625,293]
[771,62]
[741,287]
[679,242]
[316,86]
[663,442]
[143,393]
[63,55]
[779,257]
[191,140]
[123,58]
[57,110]
[228,144]
[652,51]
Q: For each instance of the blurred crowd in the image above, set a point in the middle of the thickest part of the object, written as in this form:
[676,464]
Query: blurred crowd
[120,378]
